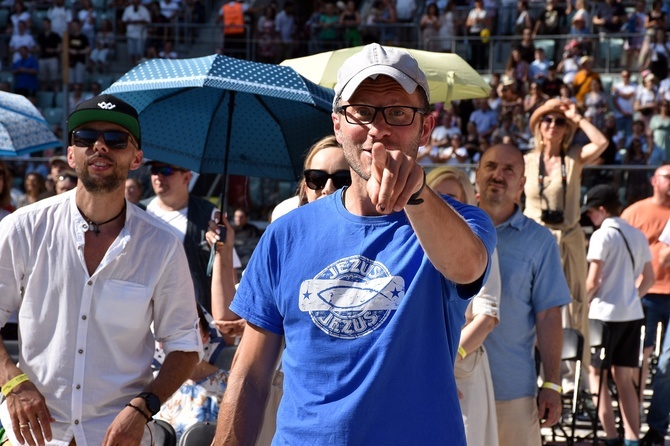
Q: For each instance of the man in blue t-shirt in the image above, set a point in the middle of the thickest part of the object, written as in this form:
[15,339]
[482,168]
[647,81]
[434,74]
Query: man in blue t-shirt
[367,287]
[533,288]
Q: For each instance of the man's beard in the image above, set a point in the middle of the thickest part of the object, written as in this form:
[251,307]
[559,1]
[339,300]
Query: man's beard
[100,185]
[352,153]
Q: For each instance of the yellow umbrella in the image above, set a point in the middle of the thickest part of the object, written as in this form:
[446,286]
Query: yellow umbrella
[450,77]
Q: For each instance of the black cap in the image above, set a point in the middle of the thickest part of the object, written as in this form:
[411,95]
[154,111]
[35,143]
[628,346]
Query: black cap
[106,108]
[601,195]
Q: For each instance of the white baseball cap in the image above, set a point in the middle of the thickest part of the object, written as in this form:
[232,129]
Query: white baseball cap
[374,60]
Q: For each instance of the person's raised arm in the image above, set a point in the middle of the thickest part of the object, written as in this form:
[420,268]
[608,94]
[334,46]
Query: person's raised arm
[598,142]
[249,384]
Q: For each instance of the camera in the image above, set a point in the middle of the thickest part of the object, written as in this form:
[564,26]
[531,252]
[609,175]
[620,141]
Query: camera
[222,234]
[552,217]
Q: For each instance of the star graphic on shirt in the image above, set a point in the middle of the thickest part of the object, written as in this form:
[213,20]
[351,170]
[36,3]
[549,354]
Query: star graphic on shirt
[395,292]
[306,295]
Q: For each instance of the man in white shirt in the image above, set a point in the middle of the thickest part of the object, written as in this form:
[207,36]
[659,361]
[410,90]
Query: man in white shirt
[60,15]
[94,281]
[188,216]
[136,17]
[623,99]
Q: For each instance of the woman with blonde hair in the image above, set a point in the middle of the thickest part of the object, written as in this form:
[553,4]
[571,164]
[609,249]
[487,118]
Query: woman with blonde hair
[472,371]
[553,193]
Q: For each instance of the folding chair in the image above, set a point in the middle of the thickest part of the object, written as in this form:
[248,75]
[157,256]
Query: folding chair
[598,336]
[573,349]
[164,434]
[198,434]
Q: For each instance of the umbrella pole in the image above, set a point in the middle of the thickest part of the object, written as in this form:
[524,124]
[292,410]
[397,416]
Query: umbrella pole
[223,200]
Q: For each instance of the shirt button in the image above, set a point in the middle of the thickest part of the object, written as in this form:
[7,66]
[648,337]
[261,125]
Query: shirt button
[78,386]
[76,421]
[83,317]
[90,282]
[81,351]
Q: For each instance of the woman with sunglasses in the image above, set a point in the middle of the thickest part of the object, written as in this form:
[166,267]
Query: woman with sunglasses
[472,371]
[325,171]
[553,192]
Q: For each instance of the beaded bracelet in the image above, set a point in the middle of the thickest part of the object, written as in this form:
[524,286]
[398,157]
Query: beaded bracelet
[140,411]
[12,383]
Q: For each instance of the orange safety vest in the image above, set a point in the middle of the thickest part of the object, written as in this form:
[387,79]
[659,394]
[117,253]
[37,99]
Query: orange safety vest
[233,18]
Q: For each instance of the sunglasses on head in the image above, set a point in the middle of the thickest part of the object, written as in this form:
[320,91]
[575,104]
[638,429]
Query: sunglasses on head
[114,139]
[558,122]
[166,171]
[317,179]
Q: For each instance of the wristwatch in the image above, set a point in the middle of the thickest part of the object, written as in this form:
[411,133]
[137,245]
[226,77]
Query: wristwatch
[152,402]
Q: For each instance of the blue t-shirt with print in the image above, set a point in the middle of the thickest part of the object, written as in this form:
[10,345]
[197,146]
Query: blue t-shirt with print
[371,327]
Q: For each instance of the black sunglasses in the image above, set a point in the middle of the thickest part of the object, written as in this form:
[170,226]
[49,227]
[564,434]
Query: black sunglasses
[166,171]
[114,139]
[558,122]
[317,179]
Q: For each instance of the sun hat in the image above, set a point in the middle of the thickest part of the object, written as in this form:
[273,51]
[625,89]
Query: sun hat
[549,106]
[106,108]
[374,60]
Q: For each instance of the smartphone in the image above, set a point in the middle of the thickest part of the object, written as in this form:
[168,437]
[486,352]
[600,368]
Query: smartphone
[222,233]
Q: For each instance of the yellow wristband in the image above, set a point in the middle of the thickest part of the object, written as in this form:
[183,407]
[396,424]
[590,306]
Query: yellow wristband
[462,352]
[552,386]
[9,386]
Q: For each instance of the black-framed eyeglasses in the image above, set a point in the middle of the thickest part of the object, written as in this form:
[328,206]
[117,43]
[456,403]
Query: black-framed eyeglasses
[399,116]
[165,171]
[114,139]
[316,179]
[558,122]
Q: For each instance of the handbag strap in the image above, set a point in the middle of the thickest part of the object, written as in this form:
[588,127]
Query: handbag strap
[627,247]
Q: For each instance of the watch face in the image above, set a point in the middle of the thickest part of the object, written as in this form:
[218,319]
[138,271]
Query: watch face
[153,403]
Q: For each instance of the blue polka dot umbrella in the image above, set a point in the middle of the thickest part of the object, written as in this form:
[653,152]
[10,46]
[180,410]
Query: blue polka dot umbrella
[218,114]
[23,130]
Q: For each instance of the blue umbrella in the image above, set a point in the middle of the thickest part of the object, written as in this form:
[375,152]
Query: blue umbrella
[218,114]
[23,130]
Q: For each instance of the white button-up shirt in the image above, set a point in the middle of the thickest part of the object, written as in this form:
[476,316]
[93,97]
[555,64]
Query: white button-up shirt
[86,341]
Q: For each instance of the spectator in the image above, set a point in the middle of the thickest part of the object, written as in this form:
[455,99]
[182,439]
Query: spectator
[50,48]
[517,68]
[25,74]
[609,17]
[387,20]
[267,36]
[471,139]
[189,218]
[430,28]
[350,21]
[650,215]
[170,9]
[614,291]
[79,48]
[583,80]
[329,24]
[526,46]
[523,20]
[552,84]
[87,16]
[157,31]
[168,51]
[286,28]
[60,16]
[659,126]
[553,196]
[450,23]
[656,56]
[234,30]
[633,44]
[66,181]
[472,371]
[530,301]
[21,38]
[549,22]
[478,24]
[539,69]
[655,20]
[20,14]
[646,100]
[510,94]
[134,191]
[637,185]
[534,98]
[136,17]
[246,236]
[596,104]
[623,100]
[485,118]
[569,64]
[105,43]
[35,187]
[455,152]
